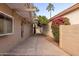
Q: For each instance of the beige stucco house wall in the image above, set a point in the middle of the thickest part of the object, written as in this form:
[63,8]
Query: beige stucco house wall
[9,41]
[69,34]
[69,39]
[73,17]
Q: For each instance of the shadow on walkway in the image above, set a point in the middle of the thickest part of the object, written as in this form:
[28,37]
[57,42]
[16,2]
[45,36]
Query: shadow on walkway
[37,45]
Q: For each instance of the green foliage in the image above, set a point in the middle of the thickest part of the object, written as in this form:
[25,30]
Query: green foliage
[43,20]
[50,7]
[55,31]
[55,28]
[37,10]
[66,21]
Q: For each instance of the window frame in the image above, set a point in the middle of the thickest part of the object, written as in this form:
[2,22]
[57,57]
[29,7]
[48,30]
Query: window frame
[12,18]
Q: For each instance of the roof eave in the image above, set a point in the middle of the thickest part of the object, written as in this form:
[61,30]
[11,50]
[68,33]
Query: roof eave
[68,10]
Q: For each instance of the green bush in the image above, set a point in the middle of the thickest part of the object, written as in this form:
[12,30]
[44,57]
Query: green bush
[55,31]
[42,20]
[55,27]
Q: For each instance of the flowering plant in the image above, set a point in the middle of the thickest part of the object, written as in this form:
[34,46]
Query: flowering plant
[55,26]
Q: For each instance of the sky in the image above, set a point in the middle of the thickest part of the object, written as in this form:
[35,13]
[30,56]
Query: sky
[58,7]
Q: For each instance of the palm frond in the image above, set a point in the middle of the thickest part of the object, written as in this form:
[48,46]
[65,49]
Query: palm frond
[50,7]
[36,8]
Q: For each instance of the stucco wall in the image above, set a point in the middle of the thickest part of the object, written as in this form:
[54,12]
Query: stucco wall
[50,30]
[69,38]
[27,30]
[73,16]
[9,41]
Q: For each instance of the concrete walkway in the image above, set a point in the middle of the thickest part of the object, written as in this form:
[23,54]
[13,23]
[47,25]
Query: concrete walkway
[37,45]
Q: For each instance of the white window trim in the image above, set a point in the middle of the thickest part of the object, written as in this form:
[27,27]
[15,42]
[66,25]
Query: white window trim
[12,24]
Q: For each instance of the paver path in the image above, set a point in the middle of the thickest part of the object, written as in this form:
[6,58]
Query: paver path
[37,45]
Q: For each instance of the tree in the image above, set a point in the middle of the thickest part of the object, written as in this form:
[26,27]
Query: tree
[37,10]
[50,7]
[42,20]
[55,26]
[35,20]
[43,23]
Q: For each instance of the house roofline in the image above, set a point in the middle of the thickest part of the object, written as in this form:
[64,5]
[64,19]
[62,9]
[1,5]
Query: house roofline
[66,11]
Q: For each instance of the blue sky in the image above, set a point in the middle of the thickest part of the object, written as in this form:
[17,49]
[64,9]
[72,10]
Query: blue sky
[58,8]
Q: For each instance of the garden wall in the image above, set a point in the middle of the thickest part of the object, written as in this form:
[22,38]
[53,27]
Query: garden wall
[49,33]
[69,38]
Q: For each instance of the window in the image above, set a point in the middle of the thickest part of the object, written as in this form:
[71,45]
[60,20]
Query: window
[6,24]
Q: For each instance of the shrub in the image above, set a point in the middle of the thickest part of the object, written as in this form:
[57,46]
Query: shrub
[55,26]
[42,20]
[43,23]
